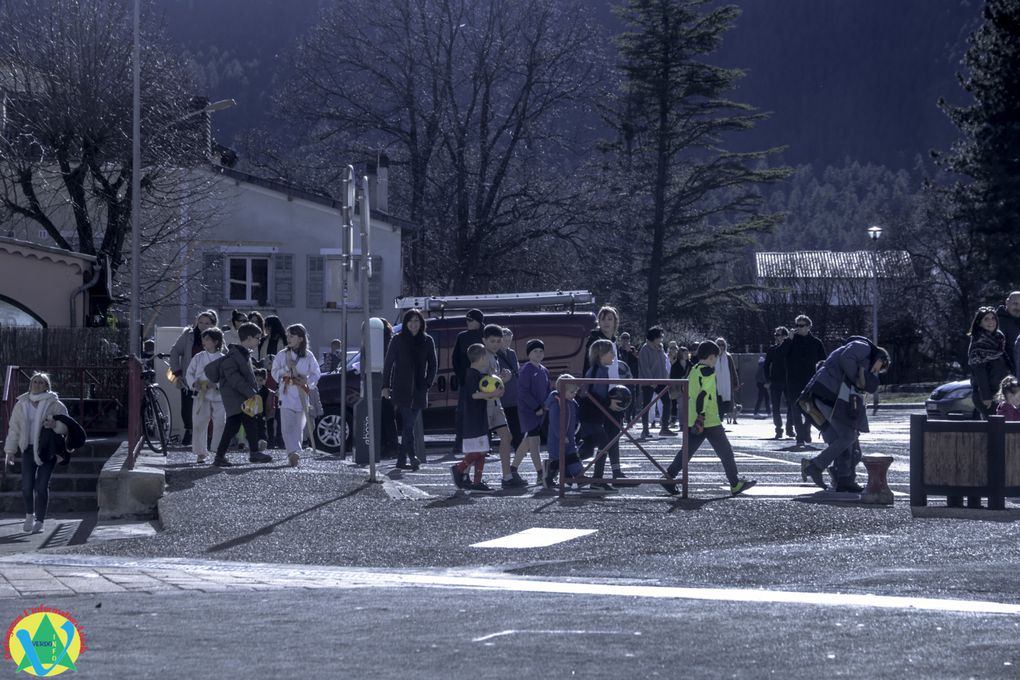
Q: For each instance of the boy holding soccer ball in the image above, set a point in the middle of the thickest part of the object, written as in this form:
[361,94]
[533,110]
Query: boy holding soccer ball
[474,420]
[492,338]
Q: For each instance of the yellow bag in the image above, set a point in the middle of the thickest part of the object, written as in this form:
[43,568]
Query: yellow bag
[252,406]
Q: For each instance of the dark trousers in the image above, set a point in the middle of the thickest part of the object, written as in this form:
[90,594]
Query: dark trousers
[232,427]
[186,404]
[596,436]
[408,416]
[778,394]
[763,397]
[801,424]
[716,436]
[514,423]
[35,484]
[647,392]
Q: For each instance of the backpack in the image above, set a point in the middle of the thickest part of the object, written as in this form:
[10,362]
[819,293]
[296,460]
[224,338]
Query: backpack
[213,370]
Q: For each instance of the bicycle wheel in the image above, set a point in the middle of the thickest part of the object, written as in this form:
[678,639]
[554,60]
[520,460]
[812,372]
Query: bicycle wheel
[160,397]
[155,420]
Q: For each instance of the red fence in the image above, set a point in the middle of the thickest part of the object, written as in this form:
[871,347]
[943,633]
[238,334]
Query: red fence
[665,385]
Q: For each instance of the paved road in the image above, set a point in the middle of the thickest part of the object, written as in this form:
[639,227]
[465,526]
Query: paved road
[378,579]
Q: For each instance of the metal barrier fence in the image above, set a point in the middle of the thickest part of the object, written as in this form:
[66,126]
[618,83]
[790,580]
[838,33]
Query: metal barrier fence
[665,385]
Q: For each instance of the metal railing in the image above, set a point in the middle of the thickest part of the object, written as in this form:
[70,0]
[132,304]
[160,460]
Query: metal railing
[682,385]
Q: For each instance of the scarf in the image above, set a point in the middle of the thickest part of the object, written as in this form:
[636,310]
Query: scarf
[986,347]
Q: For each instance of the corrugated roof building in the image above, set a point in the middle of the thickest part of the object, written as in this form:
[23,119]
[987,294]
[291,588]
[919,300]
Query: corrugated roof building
[828,264]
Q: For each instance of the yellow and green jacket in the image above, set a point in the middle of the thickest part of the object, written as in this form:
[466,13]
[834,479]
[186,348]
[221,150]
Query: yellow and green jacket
[703,397]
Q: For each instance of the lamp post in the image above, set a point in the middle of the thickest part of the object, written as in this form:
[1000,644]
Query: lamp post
[874,233]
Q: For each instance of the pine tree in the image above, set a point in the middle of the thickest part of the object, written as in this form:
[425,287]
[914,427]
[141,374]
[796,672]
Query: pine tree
[988,154]
[695,201]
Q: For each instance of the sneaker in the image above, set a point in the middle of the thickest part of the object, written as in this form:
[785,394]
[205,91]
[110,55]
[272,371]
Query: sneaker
[37,527]
[598,483]
[459,480]
[201,458]
[414,465]
[480,486]
[261,458]
[666,432]
[671,488]
[221,461]
[29,520]
[516,477]
[779,435]
[293,459]
[809,469]
[741,486]
[513,483]
[645,434]
[849,486]
[186,439]
[263,445]
[618,474]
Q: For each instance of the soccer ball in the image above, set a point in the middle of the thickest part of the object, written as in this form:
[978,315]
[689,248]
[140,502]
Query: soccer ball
[621,394]
[489,384]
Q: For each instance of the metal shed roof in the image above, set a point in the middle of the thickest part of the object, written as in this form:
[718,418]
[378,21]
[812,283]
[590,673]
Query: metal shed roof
[855,264]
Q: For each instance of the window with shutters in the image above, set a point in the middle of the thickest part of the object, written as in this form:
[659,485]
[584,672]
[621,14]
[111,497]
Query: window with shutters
[248,279]
[333,281]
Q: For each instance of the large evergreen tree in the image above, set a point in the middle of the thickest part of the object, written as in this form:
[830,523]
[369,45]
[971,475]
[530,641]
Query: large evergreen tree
[694,202]
[988,154]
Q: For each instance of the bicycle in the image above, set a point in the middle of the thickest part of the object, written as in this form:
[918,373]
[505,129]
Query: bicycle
[157,419]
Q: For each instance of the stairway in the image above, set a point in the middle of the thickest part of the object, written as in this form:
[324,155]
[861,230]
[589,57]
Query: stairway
[72,487]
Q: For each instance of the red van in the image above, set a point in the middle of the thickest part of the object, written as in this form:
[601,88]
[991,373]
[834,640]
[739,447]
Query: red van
[563,331]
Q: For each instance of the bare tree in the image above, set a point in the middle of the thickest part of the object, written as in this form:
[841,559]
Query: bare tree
[65,142]
[476,104]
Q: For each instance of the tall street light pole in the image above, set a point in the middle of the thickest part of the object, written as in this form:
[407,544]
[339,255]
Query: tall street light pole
[874,233]
[134,334]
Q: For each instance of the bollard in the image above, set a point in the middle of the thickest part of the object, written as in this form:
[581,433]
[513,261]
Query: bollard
[878,490]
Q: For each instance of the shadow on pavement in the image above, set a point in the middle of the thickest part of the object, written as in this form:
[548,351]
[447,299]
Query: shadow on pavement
[269,528]
[459,498]
[693,503]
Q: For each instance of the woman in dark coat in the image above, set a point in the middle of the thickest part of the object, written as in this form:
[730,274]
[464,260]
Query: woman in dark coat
[408,372]
[987,359]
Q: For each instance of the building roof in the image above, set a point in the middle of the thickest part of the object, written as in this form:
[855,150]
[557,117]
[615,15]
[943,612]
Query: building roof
[295,191]
[854,264]
[28,249]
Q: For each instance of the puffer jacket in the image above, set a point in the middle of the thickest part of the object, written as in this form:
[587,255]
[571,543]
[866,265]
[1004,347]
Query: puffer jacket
[836,382]
[237,380]
[21,434]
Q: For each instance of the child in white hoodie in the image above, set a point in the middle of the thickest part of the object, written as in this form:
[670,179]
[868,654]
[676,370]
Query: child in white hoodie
[207,403]
[297,372]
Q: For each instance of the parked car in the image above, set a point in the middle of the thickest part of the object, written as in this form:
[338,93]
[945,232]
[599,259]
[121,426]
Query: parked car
[564,335]
[952,400]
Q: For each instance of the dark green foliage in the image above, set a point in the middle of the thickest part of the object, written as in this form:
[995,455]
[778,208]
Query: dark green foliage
[687,202]
[987,200]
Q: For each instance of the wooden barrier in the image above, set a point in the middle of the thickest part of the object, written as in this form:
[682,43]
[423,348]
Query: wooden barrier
[958,459]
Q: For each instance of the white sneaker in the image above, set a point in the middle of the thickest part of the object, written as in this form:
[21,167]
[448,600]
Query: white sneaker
[29,519]
[293,458]
[37,528]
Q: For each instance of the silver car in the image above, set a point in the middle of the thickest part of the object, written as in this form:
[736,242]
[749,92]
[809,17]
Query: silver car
[952,400]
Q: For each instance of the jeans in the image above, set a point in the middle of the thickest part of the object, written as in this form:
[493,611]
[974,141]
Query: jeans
[716,436]
[35,481]
[840,439]
[408,416]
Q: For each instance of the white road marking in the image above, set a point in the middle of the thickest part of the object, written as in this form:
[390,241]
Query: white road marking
[512,631]
[294,576]
[535,537]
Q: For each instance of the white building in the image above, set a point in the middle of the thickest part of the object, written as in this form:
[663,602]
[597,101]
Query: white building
[276,248]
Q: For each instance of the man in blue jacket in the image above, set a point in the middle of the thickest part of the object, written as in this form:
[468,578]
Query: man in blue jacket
[834,399]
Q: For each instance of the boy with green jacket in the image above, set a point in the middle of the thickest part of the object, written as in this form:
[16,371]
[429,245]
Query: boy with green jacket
[704,422]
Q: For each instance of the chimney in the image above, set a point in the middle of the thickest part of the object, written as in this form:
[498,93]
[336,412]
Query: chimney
[379,183]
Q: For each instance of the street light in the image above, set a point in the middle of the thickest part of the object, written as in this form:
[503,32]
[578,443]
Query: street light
[874,233]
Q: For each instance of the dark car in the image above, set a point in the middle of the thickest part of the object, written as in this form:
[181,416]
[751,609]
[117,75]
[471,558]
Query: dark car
[952,400]
[563,333]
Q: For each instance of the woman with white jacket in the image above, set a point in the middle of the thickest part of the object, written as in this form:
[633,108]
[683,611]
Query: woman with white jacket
[296,371]
[34,411]
[207,403]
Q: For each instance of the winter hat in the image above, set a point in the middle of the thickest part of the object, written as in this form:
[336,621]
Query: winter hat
[534,344]
[477,315]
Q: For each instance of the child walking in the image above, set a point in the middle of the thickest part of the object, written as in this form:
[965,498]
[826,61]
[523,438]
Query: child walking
[571,462]
[705,423]
[473,405]
[237,386]
[297,372]
[531,406]
[207,404]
